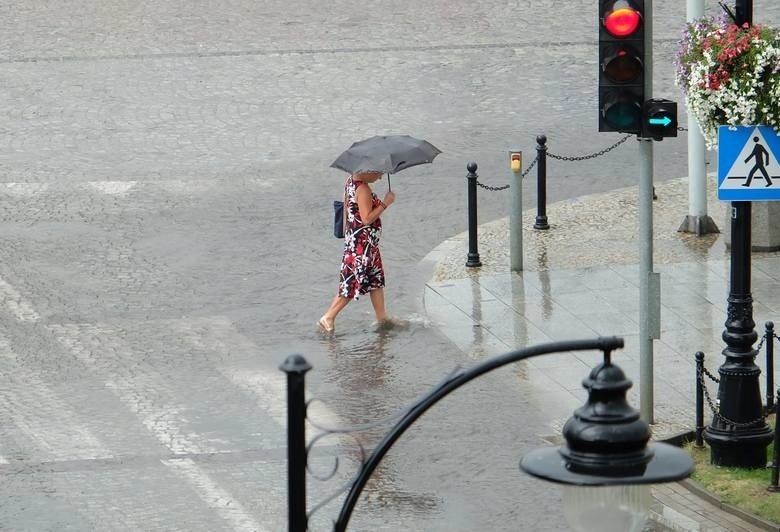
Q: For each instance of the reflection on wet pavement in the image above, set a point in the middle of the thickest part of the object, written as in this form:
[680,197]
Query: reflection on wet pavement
[582,282]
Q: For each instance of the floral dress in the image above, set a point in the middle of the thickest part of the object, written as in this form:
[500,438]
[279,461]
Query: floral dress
[361,266]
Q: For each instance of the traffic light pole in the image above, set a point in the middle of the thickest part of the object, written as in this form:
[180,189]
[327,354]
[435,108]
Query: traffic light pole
[649,298]
[739,436]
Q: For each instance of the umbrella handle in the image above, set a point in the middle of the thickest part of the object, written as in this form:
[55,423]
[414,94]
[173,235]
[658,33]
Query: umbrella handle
[388,183]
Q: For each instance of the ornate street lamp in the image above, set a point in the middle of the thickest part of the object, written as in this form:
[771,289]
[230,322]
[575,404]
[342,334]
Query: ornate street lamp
[606,464]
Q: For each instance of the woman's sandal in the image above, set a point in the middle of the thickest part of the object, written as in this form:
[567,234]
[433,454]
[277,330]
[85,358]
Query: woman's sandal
[325,325]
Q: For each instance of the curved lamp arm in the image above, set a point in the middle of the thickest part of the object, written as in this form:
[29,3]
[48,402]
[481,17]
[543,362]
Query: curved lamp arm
[605,344]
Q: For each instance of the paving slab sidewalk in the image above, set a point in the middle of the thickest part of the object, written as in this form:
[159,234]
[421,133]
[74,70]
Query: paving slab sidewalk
[579,280]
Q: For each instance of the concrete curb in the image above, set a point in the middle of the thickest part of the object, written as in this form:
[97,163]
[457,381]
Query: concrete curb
[699,491]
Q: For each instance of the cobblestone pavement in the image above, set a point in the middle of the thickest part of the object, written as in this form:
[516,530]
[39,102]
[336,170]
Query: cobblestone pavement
[164,196]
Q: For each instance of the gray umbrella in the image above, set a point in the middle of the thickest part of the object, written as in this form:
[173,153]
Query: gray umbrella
[387,154]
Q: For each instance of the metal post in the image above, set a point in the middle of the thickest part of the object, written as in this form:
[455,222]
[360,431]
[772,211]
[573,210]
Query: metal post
[776,455]
[296,367]
[516,214]
[770,365]
[697,221]
[473,256]
[742,441]
[541,183]
[699,399]
[649,282]
[743,9]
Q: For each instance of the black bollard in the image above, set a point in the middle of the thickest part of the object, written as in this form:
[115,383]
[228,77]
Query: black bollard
[473,256]
[541,183]
[776,456]
[296,367]
[699,399]
[770,364]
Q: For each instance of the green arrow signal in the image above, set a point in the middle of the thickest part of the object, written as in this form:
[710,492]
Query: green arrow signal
[665,121]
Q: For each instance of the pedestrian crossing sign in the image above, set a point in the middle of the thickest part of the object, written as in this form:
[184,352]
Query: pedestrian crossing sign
[748,166]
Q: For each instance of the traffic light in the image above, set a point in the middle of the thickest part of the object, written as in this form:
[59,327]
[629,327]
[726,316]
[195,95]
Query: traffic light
[621,65]
[659,119]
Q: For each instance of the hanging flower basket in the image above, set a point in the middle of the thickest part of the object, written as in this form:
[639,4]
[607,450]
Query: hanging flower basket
[730,75]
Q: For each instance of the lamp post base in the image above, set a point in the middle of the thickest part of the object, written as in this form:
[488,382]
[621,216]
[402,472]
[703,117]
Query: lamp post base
[738,447]
[699,225]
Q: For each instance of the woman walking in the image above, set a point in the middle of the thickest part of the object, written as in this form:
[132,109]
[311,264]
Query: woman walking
[361,266]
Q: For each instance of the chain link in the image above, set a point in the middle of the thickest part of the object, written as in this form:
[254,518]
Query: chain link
[706,391]
[492,189]
[560,158]
[715,410]
[712,377]
[591,156]
[522,176]
[761,343]
[533,163]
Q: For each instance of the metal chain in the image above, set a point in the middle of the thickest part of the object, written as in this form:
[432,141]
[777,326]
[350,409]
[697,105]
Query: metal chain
[706,392]
[716,411]
[533,163]
[591,156]
[710,375]
[560,158]
[522,176]
[492,189]
[761,343]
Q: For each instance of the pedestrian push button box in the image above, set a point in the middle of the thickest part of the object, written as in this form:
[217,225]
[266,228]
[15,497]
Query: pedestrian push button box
[515,161]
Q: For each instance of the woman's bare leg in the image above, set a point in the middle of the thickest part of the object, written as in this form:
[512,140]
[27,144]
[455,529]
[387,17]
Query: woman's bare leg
[328,320]
[378,301]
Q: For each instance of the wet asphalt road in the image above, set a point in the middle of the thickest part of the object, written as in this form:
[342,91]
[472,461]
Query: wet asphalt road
[164,244]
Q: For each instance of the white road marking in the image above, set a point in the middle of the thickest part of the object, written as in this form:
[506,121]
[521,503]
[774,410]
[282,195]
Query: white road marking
[112,188]
[268,385]
[144,393]
[23,189]
[19,307]
[215,497]
[119,188]
[38,413]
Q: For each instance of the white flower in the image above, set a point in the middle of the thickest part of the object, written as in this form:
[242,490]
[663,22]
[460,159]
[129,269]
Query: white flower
[729,75]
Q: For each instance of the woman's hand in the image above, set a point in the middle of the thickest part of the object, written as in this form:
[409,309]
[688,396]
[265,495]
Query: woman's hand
[389,198]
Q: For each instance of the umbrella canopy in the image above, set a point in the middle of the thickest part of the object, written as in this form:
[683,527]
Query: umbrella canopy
[387,154]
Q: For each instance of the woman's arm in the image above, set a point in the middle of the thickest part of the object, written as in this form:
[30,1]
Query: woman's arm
[364,201]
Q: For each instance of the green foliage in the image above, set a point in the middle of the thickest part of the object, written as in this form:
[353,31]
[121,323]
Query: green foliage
[730,75]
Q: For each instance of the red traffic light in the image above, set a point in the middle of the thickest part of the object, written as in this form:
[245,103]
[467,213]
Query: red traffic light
[623,21]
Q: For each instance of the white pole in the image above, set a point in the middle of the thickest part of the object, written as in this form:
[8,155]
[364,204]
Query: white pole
[516,212]
[697,220]
[697,174]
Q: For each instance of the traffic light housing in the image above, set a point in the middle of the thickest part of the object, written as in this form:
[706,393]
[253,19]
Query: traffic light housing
[659,119]
[621,65]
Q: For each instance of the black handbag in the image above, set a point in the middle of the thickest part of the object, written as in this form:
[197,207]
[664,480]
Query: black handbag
[338,219]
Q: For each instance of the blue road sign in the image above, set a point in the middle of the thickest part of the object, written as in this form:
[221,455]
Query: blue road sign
[748,167]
